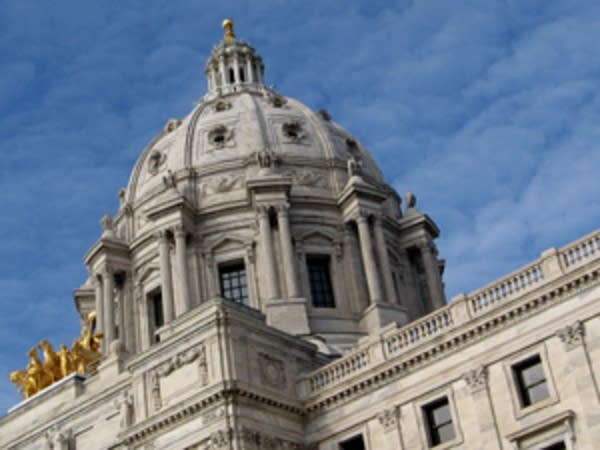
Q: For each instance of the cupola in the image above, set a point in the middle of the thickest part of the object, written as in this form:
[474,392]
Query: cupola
[233,66]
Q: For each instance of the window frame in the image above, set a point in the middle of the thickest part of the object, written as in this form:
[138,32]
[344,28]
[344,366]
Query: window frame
[520,409]
[330,285]
[351,438]
[230,267]
[420,412]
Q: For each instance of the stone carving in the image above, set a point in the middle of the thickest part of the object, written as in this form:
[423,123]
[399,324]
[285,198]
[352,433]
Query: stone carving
[222,184]
[156,160]
[220,439]
[57,439]
[266,160]
[107,225]
[124,404]
[275,100]
[308,178]
[155,390]
[354,167]
[476,379]
[182,359]
[258,440]
[222,105]
[411,200]
[272,371]
[352,147]
[220,136]
[389,418]
[572,335]
[172,125]
[324,114]
[293,132]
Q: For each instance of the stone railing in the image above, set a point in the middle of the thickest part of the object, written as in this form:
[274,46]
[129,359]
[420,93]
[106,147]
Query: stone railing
[580,251]
[415,332]
[508,287]
[393,339]
[338,370]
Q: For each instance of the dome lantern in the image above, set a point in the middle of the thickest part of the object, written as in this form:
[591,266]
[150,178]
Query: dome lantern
[233,66]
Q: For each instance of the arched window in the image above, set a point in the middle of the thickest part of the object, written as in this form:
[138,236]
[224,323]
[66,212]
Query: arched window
[242,77]
[231,76]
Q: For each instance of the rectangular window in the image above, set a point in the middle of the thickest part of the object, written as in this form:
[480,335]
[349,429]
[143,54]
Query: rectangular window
[156,308]
[531,381]
[354,443]
[557,446]
[438,421]
[234,285]
[320,281]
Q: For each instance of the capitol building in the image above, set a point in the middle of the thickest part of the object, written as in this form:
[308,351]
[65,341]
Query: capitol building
[262,287]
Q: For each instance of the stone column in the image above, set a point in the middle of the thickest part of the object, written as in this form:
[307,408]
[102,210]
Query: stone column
[287,252]
[384,262]
[432,273]
[366,250]
[121,300]
[249,70]
[236,70]
[183,303]
[142,304]
[211,276]
[266,238]
[222,71]
[99,307]
[165,276]
[108,285]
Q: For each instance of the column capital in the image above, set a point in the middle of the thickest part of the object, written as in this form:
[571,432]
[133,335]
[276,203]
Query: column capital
[282,209]
[179,231]
[362,216]
[476,379]
[262,210]
[162,234]
[572,335]
[107,270]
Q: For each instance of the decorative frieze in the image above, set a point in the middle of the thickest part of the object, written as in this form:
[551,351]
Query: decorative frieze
[572,335]
[182,359]
[476,379]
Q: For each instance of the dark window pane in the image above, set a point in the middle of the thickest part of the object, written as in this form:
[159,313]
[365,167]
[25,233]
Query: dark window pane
[531,381]
[558,446]
[355,443]
[438,421]
[233,283]
[320,282]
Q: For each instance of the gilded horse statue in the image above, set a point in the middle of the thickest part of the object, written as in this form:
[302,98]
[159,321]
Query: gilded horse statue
[82,358]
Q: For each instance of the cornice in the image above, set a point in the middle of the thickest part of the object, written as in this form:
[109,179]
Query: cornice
[455,339]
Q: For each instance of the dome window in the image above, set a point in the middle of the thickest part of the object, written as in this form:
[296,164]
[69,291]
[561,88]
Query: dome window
[219,136]
[242,77]
[293,131]
[222,105]
[231,76]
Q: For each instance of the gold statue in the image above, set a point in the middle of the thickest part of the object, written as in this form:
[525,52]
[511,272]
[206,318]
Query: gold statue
[82,357]
[229,34]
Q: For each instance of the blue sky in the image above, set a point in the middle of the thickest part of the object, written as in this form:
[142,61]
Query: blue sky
[488,110]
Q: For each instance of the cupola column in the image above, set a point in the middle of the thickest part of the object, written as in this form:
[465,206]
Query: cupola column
[266,237]
[222,70]
[99,306]
[366,249]
[183,303]
[287,252]
[249,71]
[165,276]
[108,288]
[384,261]
[236,69]
[432,273]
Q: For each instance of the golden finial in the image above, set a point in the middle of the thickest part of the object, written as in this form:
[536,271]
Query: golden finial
[229,37]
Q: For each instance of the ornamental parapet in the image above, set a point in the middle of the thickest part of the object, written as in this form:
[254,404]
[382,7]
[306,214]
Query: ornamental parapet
[452,326]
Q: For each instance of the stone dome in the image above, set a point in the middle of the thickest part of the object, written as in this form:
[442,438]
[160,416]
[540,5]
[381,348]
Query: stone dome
[228,131]
[257,199]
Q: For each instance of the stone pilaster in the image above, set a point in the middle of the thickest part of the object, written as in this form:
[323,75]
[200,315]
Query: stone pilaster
[287,252]
[384,262]
[368,258]
[108,286]
[250,74]
[165,276]
[477,384]
[99,306]
[266,240]
[432,273]
[183,303]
